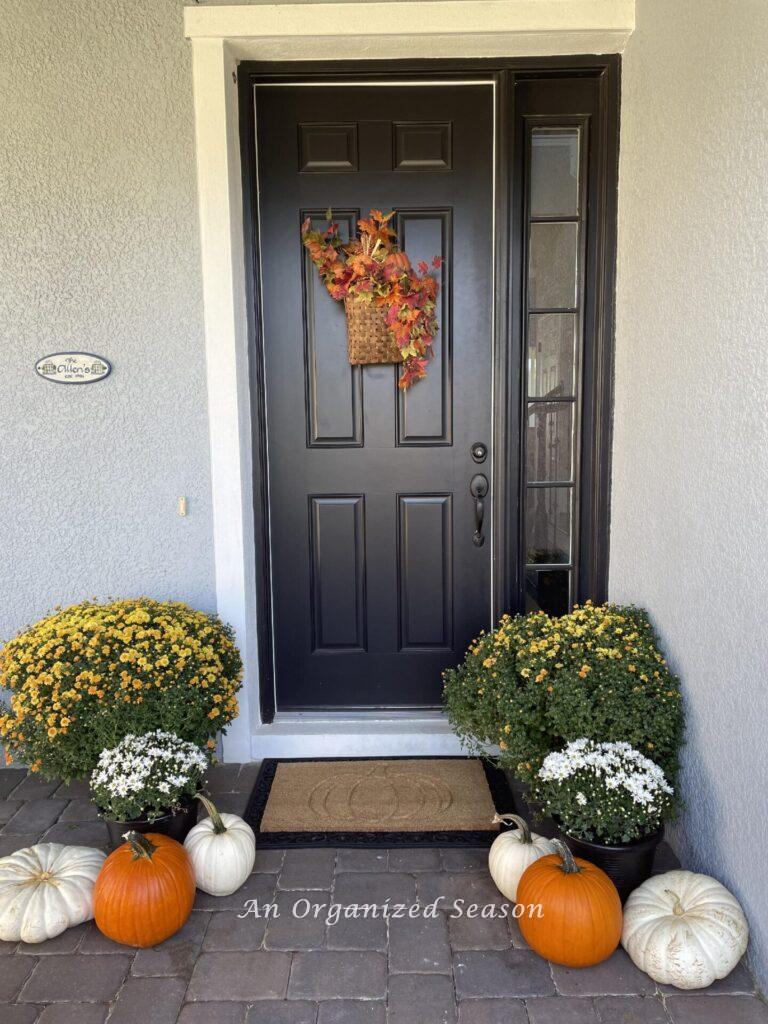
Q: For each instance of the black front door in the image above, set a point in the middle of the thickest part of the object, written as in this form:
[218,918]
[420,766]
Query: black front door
[377,581]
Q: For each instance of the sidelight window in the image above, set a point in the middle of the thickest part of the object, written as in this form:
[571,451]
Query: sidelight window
[553,339]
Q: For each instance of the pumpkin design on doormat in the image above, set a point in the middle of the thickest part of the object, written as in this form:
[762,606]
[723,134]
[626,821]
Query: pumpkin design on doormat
[379,793]
[388,796]
[390,306]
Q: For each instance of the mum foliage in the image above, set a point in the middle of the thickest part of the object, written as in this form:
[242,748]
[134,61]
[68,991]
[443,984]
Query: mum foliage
[147,776]
[83,678]
[537,682]
[371,268]
[604,792]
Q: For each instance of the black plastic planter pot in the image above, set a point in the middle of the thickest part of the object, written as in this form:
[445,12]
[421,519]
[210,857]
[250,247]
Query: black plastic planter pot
[538,822]
[626,864]
[177,825]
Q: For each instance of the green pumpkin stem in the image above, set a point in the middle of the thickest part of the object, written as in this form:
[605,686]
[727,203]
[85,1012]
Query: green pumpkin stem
[522,825]
[210,806]
[140,844]
[570,867]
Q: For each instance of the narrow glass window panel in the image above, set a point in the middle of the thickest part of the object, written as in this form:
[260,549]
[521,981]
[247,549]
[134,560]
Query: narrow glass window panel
[552,270]
[551,354]
[547,590]
[548,525]
[555,172]
[549,441]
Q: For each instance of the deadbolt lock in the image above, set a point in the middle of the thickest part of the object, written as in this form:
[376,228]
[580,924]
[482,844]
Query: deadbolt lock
[479,452]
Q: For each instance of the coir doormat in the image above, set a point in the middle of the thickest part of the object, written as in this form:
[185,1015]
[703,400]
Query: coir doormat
[377,802]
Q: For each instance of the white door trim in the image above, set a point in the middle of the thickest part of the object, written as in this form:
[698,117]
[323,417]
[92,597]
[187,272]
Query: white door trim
[435,28]
[221,37]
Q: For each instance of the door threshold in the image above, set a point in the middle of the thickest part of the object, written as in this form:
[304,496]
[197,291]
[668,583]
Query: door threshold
[355,734]
[387,715]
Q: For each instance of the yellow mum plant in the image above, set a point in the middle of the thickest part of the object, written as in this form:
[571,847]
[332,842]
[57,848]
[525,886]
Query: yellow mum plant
[83,678]
[537,682]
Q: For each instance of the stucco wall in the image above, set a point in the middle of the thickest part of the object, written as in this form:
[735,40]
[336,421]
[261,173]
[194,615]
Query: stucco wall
[689,531]
[99,251]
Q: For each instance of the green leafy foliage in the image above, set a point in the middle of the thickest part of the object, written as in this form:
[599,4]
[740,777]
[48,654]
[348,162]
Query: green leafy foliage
[537,682]
[83,678]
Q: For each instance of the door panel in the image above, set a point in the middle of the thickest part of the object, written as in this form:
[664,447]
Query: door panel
[337,572]
[425,562]
[377,584]
[425,416]
[334,399]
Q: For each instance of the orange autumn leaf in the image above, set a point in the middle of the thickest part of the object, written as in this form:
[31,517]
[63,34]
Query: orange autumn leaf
[373,265]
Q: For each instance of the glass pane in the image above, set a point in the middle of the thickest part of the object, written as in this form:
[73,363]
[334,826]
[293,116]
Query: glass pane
[552,270]
[547,590]
[549,441]
[548,525]
[551,348]
[554,172]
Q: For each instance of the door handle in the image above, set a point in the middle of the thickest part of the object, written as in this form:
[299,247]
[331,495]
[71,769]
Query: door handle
[478,488]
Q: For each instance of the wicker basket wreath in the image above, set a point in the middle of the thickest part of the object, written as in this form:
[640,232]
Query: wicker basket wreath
[369,340]
[390,305]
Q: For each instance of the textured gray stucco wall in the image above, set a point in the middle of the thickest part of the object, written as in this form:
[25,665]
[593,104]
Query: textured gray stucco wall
[689,531]
[99,251]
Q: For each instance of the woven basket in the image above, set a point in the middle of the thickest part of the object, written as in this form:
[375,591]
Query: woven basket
[368,338]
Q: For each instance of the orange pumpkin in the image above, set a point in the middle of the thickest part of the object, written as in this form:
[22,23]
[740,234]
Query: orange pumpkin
[145,890]
[580,922]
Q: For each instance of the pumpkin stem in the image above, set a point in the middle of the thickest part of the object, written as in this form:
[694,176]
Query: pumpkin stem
[521,823]
[570,867]
[677,909]
[141,846]
[210,806]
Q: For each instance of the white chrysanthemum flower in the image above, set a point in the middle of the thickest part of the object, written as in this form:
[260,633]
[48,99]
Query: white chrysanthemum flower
[149,771]
[622,783]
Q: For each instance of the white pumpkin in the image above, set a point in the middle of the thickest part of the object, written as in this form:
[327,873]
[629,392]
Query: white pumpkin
[222,849]
[684,929]
[46,889]
[513,852]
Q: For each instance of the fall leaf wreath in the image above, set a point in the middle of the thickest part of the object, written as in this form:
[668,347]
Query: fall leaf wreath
[372,268]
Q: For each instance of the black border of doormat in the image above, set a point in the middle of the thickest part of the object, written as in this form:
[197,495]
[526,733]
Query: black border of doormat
[257,802]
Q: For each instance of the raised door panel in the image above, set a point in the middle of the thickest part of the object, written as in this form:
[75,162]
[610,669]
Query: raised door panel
[334,389]
[423,145]
[425,570]
[424,412]
[329,147]
[337,572]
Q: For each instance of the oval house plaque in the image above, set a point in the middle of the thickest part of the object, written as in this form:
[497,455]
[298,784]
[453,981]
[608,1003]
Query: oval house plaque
[73,367]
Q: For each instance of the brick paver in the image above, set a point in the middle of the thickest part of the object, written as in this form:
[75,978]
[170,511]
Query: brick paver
[495,1011]
[615,976]
[149,1000]
[76,977]
[555,1010]
[421,999]
[511,973]
[229,966]
[74,1013]
[357,1011]
[326,974]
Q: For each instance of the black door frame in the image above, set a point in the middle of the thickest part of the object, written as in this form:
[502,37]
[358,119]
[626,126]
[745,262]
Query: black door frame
[508,564]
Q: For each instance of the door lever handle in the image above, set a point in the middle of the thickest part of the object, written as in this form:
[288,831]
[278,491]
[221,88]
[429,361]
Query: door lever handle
[478,488]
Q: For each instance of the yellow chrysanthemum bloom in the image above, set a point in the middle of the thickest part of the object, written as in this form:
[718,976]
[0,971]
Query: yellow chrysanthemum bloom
[113,669]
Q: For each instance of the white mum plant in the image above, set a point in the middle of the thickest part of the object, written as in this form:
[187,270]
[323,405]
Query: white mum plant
[604,792]
[147,776]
